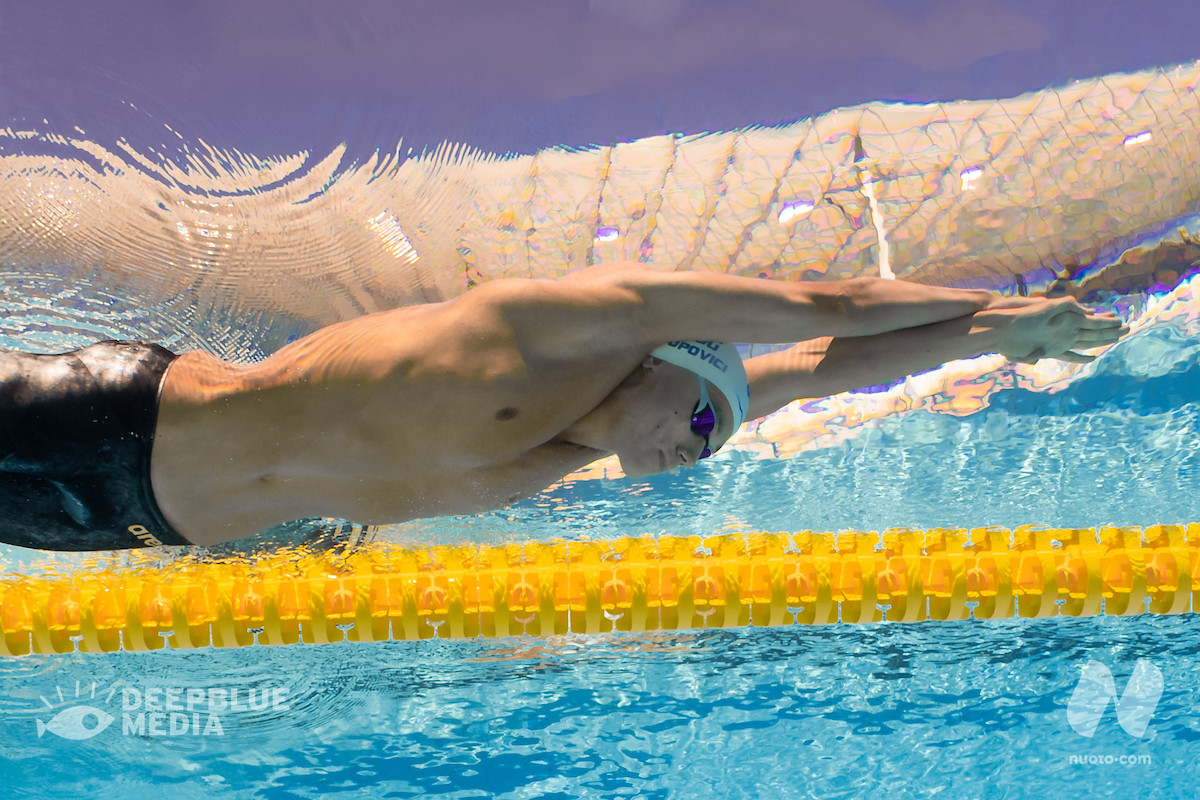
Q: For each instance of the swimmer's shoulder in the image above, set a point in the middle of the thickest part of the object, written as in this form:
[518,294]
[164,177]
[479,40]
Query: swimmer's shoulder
[198,377]
[591,315]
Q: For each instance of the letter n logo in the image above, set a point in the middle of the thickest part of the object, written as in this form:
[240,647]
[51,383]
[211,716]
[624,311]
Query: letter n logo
[1095,688]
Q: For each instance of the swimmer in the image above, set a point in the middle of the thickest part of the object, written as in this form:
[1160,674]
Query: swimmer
[467,405]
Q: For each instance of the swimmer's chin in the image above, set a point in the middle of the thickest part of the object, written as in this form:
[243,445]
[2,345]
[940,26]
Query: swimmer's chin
[644,469]
[632,470]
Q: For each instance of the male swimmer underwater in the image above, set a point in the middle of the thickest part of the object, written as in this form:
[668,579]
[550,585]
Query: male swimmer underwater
[466,405]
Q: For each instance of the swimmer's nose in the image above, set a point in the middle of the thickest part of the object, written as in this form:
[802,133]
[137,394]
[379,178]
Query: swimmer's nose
[688,456]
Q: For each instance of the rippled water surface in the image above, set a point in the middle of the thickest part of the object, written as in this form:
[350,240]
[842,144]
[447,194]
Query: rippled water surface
[907,711]
[229,180]
[977,708]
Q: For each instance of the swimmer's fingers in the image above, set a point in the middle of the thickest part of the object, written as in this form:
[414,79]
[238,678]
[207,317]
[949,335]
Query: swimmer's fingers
[1092,318]
[1070,356]
[1102,322]
[1067,305]
[1032,358]
[1099,337]
[1068,308]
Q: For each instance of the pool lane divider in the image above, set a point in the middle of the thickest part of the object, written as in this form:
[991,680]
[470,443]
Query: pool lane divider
[639,584]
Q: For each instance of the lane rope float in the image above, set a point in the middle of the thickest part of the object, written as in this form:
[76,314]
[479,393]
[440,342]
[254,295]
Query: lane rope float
[640,584]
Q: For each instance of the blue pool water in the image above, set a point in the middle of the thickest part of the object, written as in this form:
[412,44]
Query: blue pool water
[922,710]
[231,178]
[977,709]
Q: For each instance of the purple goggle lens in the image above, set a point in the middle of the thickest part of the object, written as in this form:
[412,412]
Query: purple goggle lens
[704,419]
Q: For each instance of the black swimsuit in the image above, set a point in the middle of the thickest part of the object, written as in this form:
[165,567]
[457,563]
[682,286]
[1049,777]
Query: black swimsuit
[76,431]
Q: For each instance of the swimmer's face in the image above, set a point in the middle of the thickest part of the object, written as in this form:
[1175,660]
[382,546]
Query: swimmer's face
[658,433]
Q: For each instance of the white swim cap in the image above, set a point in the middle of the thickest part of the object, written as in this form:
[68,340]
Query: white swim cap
[719,363]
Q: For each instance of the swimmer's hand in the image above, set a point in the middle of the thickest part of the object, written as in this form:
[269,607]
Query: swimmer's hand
[1036,328]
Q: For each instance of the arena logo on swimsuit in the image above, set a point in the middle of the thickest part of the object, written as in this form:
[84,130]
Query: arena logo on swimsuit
[708,354]
[147,538]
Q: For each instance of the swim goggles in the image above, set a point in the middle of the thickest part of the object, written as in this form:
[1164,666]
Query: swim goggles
[704,418]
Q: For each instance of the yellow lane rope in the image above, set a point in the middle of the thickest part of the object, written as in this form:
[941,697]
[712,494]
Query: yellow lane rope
[631,584]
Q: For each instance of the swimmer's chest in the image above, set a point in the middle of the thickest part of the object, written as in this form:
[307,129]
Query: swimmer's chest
[477,414]
[490,486]
[456,447]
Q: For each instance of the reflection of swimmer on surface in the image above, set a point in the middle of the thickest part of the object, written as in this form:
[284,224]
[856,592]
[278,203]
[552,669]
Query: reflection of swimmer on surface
[466,405]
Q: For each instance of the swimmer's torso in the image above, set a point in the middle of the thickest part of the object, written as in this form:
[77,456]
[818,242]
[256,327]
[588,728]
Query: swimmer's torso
[440,409]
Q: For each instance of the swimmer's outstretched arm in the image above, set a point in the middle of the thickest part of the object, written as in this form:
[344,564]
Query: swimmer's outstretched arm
[660,306]
[1027,330]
